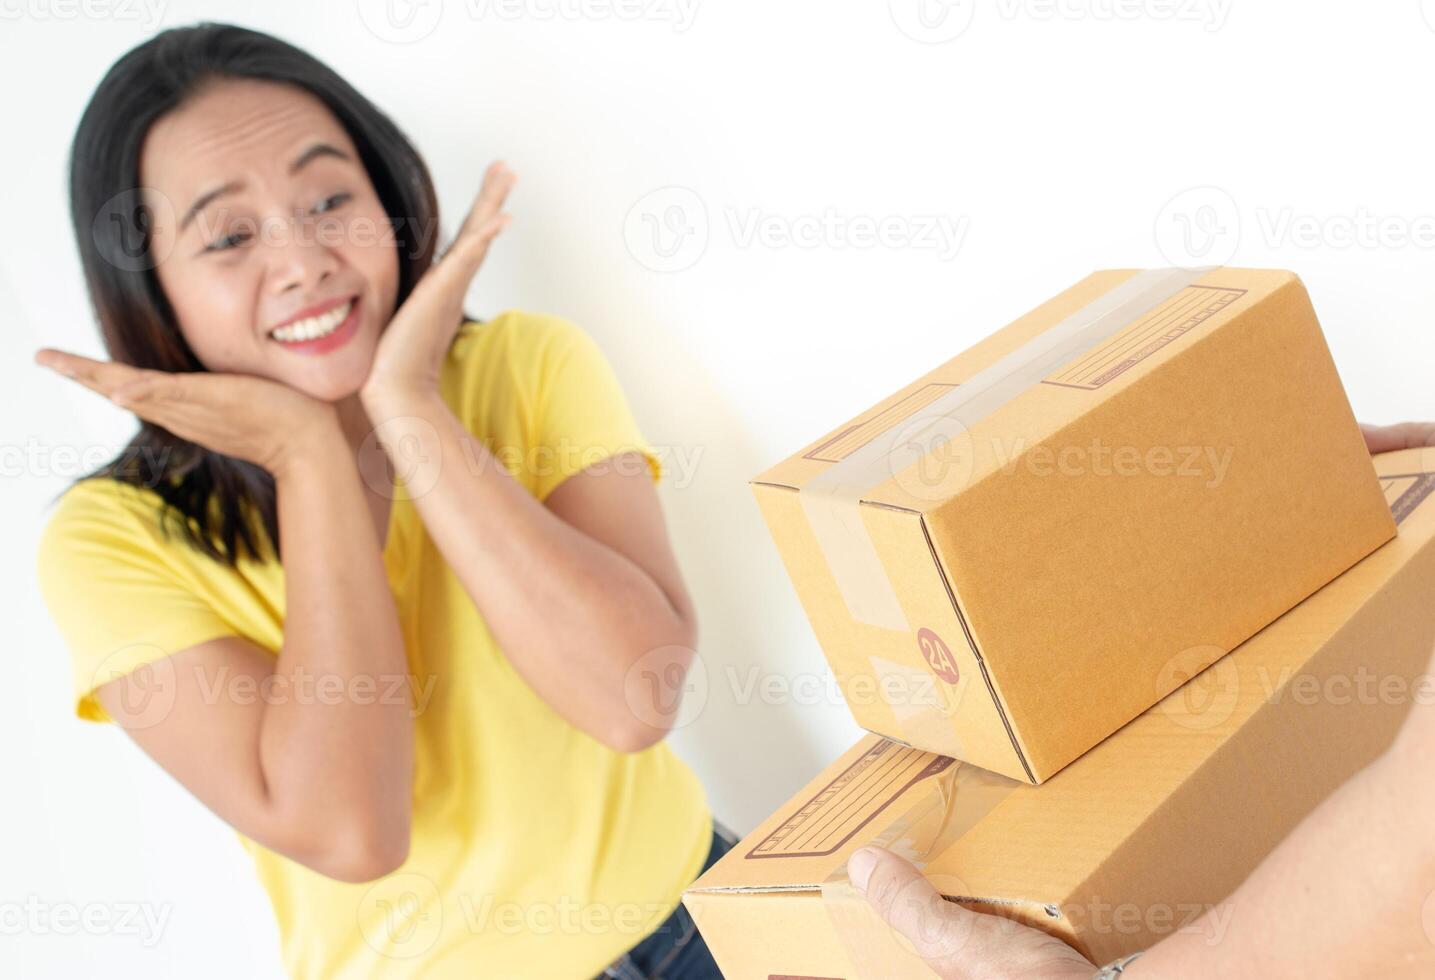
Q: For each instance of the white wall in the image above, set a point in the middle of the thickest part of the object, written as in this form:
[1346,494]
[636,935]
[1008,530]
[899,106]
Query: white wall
[1047,145]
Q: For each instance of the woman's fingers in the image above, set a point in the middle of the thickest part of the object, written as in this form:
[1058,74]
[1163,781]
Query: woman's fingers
[133,391]
[240,415]
[498,180]
[122,384]
[467,254]
[100,376]
[441,290]
[485,220]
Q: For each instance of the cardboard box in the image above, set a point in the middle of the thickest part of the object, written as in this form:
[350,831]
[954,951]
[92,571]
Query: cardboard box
[1135,839]
[1000,559]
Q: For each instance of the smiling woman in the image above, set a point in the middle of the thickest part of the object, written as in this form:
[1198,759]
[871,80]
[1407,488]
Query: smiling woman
[448,691]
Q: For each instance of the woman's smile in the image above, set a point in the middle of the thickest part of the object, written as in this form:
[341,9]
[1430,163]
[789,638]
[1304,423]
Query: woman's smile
[321,332]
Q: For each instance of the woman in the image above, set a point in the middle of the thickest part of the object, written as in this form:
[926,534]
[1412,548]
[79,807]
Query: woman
[431,705]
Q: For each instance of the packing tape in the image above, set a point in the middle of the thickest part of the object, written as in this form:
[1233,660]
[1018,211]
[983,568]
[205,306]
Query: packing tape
[831,499]
[961,798]
[922,704]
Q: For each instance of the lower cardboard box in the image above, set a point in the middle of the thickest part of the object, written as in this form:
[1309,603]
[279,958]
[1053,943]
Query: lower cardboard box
[1146,834]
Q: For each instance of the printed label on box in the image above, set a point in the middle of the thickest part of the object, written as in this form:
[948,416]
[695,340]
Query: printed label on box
[1181,313]
[855,436]
[1405,491]
[860,793]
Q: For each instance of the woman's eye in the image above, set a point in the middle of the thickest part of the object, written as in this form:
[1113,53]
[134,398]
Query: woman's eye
[331,202]
[225,243]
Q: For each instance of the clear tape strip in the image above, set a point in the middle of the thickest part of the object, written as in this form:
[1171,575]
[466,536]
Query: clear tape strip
[922,704]
[960,798]
[830,499]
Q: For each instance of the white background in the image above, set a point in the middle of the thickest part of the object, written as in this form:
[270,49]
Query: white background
[694,181]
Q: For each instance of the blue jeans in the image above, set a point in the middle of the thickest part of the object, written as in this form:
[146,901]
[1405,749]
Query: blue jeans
[675,950]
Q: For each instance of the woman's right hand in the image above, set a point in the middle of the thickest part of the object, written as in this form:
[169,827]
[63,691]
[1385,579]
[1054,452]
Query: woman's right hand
[240,415]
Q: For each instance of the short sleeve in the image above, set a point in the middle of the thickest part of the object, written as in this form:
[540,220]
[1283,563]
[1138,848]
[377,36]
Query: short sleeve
[112,587]
[581,416]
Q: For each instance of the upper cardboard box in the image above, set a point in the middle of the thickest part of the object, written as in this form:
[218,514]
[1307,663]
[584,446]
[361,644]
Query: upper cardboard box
[1029,545]
[1146,834]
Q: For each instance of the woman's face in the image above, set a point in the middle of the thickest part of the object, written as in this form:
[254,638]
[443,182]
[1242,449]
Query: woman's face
[265,217]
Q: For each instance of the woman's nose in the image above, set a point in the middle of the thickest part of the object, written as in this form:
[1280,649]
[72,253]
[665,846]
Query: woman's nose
[298,257]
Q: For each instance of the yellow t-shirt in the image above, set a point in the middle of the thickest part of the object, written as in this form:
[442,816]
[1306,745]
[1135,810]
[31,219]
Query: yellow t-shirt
[536,850]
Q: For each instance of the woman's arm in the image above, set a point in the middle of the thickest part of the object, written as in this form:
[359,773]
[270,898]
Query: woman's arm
[583,595]
[309,754]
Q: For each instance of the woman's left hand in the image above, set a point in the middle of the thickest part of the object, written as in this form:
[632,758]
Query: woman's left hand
[412,347]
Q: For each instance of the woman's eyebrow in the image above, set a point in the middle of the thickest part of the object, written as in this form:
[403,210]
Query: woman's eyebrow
[312,153]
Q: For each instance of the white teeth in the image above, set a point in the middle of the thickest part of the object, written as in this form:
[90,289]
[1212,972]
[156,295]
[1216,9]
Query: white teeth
[314,326]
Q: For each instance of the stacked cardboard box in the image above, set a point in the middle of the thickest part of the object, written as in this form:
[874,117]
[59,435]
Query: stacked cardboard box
[995,620]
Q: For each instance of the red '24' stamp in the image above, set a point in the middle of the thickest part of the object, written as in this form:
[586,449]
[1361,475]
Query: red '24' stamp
[937,656]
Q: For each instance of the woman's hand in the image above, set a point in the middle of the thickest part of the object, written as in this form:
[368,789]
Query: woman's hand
[957,943]
[412,347]
[1403,435]
[247,417]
